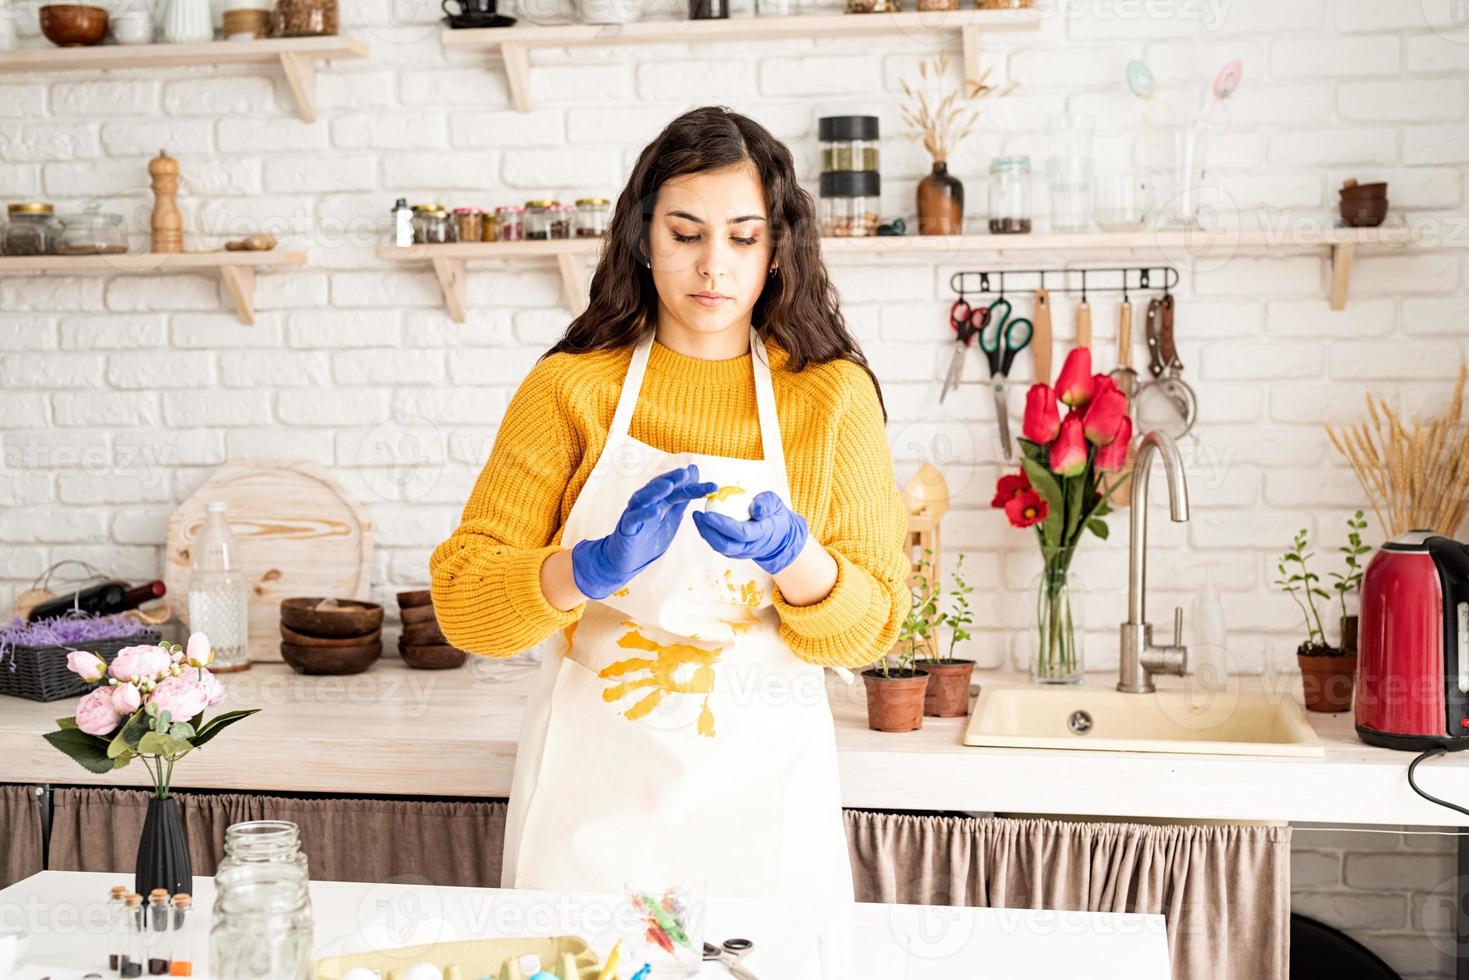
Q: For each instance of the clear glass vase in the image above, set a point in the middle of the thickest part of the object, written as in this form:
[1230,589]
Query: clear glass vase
[1057,654]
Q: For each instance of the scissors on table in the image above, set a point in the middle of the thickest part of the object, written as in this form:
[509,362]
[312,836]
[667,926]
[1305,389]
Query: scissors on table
[966,322]
[730,952]
[1001,338]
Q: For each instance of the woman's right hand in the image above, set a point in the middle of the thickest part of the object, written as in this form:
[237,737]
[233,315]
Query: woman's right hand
[642,535]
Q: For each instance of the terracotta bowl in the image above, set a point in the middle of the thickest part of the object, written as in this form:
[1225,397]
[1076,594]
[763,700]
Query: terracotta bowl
[1368,213]
[421,597]
[307,640]
[331,660]
[438,657]
[350,617]
[73,25]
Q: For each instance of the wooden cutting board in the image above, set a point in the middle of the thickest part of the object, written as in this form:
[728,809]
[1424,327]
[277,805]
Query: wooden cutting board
[298,532]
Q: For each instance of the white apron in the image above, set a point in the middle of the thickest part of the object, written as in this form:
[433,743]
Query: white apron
[671,733]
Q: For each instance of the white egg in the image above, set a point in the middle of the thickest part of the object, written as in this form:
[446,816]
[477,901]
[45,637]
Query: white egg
[422,971]
[733,502]
[361,973]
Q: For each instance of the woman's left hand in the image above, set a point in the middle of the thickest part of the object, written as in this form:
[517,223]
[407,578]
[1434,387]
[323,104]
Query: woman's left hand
[772,537]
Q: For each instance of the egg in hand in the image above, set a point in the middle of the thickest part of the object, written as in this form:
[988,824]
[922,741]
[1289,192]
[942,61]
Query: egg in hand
[732,501]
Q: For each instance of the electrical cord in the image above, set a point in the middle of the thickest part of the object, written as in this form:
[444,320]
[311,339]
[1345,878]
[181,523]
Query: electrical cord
[1423,756]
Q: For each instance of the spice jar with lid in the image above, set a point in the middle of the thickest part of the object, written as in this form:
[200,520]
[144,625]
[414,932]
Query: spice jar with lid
[468,224]
[848,143]
[92,231]
[431,225]
[32,230]
[510,222]
[592,214]
[305,18]
[562,218]
[1009,195]
[538,220]
[849,203]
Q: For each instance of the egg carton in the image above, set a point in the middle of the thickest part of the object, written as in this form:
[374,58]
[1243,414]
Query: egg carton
[568,957]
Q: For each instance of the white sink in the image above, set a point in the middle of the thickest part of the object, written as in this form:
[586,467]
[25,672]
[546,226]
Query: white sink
[1193,721]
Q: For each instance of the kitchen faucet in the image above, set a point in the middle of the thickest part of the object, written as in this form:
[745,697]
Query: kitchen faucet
[1140,658]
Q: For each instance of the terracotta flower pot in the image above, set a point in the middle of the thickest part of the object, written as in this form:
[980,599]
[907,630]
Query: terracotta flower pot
[948,688]
[1327,678]
[895,702]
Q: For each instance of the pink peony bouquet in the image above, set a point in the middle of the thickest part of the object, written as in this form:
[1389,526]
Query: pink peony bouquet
[149,703]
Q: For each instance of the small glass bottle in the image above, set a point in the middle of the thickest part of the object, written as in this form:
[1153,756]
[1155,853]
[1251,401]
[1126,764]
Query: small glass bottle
[156,935]
[1010,196]
[116,934]
[402,224]
[181,948]
[131,963]
[218,593]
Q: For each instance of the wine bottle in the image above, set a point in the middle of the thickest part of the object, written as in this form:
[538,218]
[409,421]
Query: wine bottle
[99,600]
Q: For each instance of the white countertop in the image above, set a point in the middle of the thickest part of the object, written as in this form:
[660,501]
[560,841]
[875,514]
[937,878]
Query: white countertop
[396,731]
[888,941]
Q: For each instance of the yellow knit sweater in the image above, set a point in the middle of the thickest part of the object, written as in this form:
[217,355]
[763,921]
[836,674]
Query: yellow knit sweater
[486,577]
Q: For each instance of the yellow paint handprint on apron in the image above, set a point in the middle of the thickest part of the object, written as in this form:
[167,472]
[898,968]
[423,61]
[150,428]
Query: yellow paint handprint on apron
[677,668]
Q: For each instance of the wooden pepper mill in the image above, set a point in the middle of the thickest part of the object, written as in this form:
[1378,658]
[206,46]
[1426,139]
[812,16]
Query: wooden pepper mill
[168,224]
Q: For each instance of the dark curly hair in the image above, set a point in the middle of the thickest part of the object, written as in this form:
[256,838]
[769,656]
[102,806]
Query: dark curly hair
[798,307]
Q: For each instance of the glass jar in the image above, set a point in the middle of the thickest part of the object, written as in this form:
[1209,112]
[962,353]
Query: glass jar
[510,223]
[262,928]
[92,231]
[874,6]
[468,224]
[563,217]
[848,143]
[431,225]
[1009,195]
[850,202]
[305,18]
[592,214]
[538,220]
[32,230]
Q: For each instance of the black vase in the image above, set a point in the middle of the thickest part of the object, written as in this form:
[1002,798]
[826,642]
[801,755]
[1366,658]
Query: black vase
[163,851]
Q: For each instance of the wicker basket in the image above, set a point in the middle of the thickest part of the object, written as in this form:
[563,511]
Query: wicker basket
[40,673]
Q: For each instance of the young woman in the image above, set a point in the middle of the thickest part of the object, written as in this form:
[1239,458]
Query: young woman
[679,726]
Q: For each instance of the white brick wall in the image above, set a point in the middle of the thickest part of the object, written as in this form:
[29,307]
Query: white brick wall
[119,394]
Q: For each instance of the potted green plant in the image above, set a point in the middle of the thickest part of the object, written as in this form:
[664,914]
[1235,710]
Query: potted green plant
[949,677]
[1349,582]
[896,687]
[1327,672]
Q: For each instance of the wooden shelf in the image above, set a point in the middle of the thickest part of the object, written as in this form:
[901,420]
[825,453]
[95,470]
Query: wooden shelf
[236,269]
[515,43]
[571,254]
[297,57]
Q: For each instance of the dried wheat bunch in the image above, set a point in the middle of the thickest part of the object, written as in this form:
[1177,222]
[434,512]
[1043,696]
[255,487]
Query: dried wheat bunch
[944,125]
[1416,477]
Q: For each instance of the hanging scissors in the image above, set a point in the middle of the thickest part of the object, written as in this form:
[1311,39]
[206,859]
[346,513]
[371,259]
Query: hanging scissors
[966,322]
[730,952]
[1001,338]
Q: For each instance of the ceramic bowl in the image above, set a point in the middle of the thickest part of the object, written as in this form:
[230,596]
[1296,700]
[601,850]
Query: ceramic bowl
[307,640]
[132,27]
[73,25]
[349,617]
[417,614]
[330,660]
[1377,190]
[419,597]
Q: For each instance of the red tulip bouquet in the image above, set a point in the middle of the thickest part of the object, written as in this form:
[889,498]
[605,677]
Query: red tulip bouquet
[1062,491]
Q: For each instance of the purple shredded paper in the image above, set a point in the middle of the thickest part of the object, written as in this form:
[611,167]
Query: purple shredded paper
[63,631]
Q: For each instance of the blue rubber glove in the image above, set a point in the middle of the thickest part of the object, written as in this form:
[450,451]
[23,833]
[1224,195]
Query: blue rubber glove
[643,533]
[773,536]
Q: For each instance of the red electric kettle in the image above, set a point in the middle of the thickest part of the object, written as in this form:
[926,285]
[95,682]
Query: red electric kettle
[1412,689]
